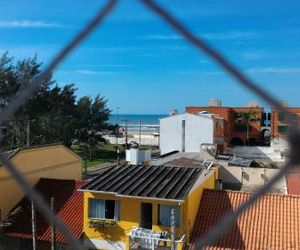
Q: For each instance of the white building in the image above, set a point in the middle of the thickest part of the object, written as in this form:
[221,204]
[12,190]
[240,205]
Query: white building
[186,132]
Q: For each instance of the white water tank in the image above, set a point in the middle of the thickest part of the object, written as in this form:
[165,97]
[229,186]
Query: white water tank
[135,156]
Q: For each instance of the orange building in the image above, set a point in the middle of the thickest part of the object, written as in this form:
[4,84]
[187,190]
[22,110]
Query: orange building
[281,122]
[236,130]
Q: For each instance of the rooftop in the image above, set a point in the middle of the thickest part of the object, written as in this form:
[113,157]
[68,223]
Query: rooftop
[293,181]
[158,182]
[272,223]
[68,204]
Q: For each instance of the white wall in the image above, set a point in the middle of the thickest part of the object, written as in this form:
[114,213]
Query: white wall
[250,177]
[198,130]
[267,153]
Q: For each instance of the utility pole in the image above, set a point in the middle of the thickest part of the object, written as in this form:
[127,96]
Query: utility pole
[117,134]
[52,227]
[173,246]
[140,133]
[28,134]
[126,134]
[33,226]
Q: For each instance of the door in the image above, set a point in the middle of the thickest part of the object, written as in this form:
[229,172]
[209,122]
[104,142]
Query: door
[146,215]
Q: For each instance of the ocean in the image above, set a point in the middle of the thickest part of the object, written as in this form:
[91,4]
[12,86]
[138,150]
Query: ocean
[149,123]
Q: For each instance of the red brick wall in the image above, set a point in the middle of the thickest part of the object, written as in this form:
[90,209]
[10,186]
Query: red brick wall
[227,113]
[276,122]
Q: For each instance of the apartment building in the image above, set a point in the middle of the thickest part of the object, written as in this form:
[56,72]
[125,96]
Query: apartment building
[280,123]
[243,125]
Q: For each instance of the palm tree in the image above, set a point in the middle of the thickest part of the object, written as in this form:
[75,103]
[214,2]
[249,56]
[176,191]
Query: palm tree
[249,117]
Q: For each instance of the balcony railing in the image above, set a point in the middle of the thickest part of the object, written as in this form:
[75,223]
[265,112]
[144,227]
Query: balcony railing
[152,240]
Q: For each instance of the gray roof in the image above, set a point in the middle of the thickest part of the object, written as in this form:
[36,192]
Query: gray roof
[237,161]
[164,182]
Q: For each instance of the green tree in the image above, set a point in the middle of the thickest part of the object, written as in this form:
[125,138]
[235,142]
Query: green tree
[92,115]
[247,118]
[52,114]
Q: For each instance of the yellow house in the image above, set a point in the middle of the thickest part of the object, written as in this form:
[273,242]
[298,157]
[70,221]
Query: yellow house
[127,207]
[56,161]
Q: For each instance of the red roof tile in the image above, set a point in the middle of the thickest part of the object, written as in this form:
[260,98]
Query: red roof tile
[68,204]
[293,182]
[272,223]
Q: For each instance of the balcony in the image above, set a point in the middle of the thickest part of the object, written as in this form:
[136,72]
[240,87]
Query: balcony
[140,238]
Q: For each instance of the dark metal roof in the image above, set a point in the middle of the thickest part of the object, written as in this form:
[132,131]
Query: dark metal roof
[165,182]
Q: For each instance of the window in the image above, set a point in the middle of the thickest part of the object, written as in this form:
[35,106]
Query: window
[283,129]
[104,209]
[164,215]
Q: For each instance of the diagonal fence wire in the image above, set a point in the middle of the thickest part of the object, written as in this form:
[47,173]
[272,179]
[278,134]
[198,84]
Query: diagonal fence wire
[224,225]
[24,94]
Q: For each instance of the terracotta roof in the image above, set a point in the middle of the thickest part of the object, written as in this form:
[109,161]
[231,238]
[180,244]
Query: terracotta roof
[272,223]
[68,204]
[293,182]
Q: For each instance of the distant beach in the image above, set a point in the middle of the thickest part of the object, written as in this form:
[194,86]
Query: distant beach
[149,123]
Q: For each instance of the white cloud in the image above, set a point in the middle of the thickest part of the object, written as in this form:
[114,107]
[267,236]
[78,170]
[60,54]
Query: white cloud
[252,55]
[161,37]
[92,72]
[231,35]
[275,70]
[29,24]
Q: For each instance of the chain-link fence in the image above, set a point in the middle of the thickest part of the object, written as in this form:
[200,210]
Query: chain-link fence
[202,46]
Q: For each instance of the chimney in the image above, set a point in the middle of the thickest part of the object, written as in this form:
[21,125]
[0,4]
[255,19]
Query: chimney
[284,103]
[213,102]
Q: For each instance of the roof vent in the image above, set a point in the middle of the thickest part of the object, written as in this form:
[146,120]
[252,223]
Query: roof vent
[213,102]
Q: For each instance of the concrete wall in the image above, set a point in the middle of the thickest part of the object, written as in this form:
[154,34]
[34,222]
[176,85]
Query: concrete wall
[198,130]
[56,162]
[149,140]
[266,153]
[250,176]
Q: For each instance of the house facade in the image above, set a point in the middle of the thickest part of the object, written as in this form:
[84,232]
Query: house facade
[186,132]
[131,206]
[55,161]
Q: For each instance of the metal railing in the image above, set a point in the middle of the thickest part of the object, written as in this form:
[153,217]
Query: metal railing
[24,94]
[137,242]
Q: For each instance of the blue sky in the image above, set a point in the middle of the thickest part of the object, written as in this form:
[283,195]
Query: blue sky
[144,67]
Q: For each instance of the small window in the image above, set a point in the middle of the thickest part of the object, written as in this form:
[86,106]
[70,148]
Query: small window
[104,209]
[283,129]
[294,117]
[164,216]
